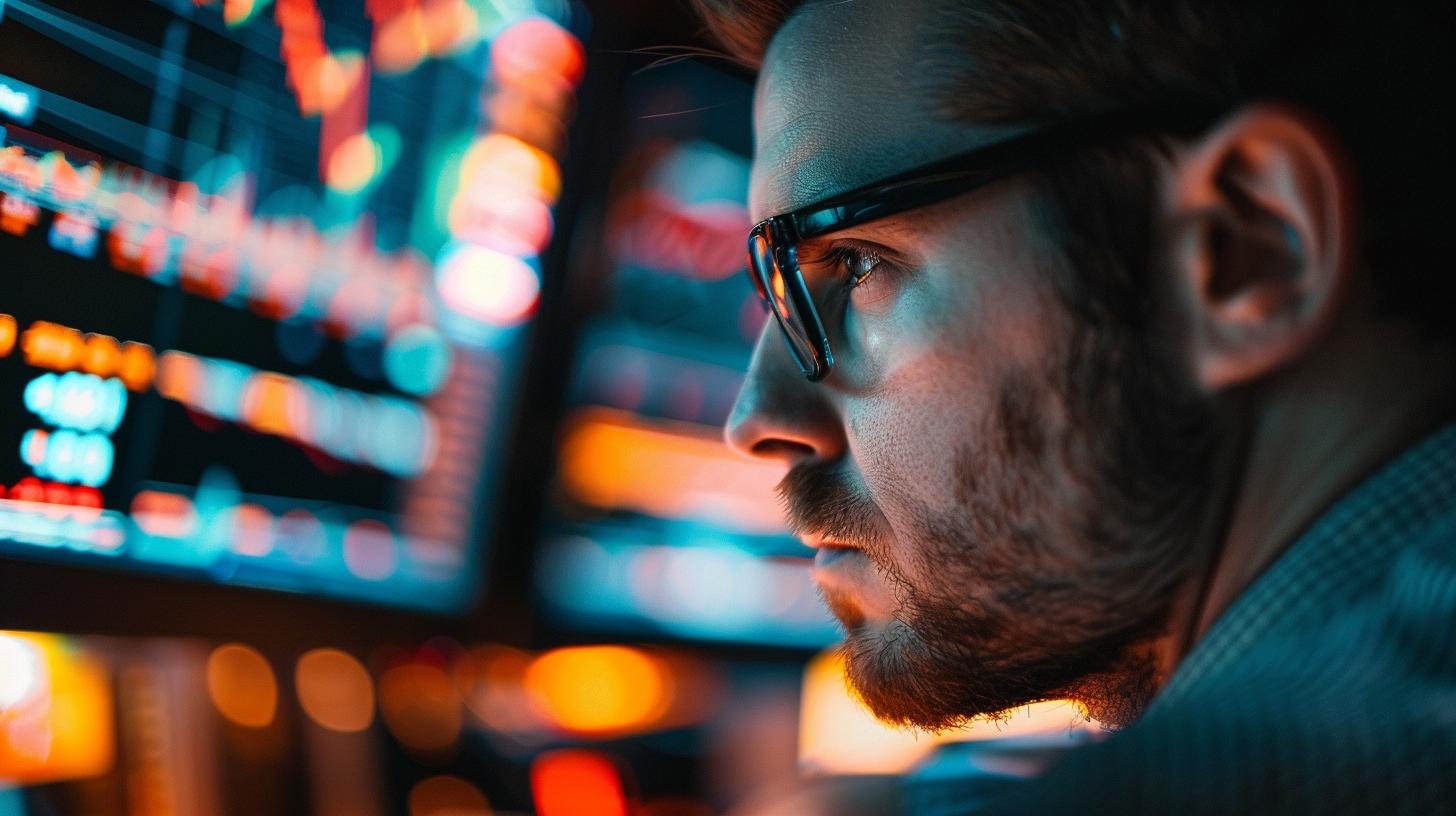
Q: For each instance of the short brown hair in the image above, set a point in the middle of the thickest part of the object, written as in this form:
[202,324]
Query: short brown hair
[1377,73]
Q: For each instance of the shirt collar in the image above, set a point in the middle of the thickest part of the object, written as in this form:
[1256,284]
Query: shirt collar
[1344,555]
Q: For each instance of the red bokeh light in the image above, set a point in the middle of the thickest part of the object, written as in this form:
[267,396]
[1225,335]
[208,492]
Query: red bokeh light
[577,783]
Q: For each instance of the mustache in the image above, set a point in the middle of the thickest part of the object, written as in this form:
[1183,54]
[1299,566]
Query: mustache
[818,501]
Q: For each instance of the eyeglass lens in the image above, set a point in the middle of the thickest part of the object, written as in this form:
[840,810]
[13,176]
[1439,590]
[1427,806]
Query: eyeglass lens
[773,285]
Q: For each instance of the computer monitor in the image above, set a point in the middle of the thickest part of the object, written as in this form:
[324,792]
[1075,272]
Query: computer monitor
[266,275]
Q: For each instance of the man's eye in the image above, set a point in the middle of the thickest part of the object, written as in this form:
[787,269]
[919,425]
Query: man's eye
[858,271]
[859,264]
[852,264]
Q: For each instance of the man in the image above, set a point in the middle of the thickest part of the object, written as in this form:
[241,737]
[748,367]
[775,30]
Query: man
[1111,358]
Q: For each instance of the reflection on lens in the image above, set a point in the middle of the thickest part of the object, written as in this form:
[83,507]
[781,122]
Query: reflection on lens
[761,257]
[773,286]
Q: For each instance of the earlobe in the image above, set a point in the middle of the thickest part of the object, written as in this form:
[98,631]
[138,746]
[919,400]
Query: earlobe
[1262,252]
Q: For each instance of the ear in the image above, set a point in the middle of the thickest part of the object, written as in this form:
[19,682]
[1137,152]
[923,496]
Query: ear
[1262,241]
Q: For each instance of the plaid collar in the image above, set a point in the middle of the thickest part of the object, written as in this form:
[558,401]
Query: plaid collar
[1344,555]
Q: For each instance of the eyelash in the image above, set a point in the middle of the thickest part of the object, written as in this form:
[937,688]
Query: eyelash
[843,257]
[848,257]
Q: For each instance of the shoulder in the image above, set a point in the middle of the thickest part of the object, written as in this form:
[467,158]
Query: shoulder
[1355,713]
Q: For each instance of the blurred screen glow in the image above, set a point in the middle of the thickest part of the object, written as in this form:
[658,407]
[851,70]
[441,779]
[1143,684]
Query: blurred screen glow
[595,689]
[488,285]
[421,706]
[335,690]
[272,267]
[712,590]
[242,685]
[17,100]
[575,782]
[611,459]
[447,796]
[56,709]
[656,525]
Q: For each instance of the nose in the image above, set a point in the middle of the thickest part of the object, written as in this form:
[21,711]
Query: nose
[779,414]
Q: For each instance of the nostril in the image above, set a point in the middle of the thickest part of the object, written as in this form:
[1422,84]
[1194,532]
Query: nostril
[785,449]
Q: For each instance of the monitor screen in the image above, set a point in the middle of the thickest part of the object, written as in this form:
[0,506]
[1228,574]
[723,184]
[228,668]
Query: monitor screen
[655,526]
[267,269]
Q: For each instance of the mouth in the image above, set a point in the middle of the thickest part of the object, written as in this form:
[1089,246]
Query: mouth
[849,583]
[828,552]
[843,576]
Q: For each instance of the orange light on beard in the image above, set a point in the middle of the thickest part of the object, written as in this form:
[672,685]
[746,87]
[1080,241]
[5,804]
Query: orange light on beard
[844,609]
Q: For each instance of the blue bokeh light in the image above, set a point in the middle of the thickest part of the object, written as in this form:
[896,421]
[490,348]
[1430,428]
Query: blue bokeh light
[417,360]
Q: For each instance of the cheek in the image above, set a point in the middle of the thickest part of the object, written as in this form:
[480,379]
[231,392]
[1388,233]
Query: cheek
[939,385]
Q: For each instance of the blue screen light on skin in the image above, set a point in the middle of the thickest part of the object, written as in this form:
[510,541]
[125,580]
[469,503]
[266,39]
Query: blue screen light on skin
[17,100]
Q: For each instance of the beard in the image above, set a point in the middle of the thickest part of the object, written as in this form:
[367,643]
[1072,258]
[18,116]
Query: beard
[1077,498]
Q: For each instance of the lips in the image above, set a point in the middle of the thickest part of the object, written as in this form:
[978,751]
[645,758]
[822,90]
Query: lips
[851,584]
[826,554]
[827,550]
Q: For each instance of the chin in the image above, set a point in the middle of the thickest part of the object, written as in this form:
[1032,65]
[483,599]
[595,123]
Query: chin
[891,669]
[906,682]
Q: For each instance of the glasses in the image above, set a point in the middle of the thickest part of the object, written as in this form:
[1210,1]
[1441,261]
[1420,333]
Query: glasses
[773,243]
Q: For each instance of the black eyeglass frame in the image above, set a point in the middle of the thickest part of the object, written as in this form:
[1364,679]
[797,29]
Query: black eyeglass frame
[773,242]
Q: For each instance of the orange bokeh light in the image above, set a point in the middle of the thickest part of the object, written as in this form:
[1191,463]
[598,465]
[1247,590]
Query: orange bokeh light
[353,164]
[599,689]
[241,685]
[421,707]
[272,404]
[504,165]
[179,376]
[335,76]
[399,43]
[577,783]
[56,710]
[449,26]
[101,355]
[62,348]
[447,796]
[530,117]
[237,12]
[53,346]
[612,459]
[7,334]
[335,690]
[138,365]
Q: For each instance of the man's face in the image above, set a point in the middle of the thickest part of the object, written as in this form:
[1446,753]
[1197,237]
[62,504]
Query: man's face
[998,520]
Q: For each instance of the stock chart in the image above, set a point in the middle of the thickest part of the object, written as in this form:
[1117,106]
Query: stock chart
[268,270]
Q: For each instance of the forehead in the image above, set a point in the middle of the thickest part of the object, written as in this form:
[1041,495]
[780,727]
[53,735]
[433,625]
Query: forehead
[839,103]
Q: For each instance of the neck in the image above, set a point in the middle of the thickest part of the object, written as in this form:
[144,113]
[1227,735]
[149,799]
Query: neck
[1313,433]
[1296,444]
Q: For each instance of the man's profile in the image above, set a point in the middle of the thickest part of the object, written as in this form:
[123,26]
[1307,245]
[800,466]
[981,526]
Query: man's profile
[1112,360]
